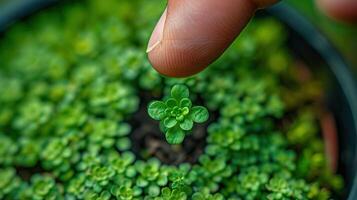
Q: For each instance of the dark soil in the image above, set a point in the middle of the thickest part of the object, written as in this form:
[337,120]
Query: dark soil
[27,172]
[148,140]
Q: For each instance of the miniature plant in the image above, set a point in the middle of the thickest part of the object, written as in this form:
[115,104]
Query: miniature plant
[176,114]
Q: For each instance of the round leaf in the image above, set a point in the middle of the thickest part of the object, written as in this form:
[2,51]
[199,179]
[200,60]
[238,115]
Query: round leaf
[199,114]
[156,110]
[154,190]
[185,110]
[180,92]
[185,102]
[166,192]
[187,124]
[175,136]
[170,122]
[180,118]
[168,111]
[171,102]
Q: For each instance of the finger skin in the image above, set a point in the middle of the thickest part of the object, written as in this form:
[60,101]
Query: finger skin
[264,3]
[195,33]
[343,10]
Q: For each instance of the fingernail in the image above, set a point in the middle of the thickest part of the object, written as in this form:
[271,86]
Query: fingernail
[157,34]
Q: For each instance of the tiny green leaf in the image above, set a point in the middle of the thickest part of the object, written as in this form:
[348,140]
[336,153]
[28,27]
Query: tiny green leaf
[177,115]
[156,110]
[187,124]
[171,102]
[166,192]
[175,136]
[180,118]
[185,102]
[179,92]
[170,122]
[185,110]
[168,111]
[199,114]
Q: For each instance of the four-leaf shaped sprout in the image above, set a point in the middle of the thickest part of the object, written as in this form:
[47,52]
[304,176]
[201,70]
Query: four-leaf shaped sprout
[176,114]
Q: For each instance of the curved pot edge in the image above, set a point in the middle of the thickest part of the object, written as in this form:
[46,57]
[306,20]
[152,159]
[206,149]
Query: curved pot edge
[333,58]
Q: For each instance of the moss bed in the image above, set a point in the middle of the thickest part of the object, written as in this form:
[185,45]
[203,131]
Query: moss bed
[74,87]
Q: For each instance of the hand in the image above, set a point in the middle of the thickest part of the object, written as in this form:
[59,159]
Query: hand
[191,34]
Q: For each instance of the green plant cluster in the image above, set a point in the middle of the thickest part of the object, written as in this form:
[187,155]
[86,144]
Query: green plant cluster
[72,77]
[176,114]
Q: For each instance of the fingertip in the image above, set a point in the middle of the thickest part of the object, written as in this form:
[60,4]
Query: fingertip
[195,33]
[264,3]
[345,10]
[157,33]
[181,58]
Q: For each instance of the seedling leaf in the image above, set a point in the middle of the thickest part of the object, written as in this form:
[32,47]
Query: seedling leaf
[199,114]
[156,110]
[175,136]
[179,92]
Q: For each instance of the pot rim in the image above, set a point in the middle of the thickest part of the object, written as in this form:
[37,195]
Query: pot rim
[339,67]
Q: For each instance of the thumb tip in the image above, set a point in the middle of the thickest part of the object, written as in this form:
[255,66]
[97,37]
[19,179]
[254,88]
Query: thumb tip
[157,33]
[192,34]
[173,63]
[342,10]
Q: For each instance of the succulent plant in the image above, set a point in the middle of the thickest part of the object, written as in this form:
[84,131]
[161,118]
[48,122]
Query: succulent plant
[176,114]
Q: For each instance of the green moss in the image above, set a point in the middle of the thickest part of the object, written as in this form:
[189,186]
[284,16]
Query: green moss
[72,77]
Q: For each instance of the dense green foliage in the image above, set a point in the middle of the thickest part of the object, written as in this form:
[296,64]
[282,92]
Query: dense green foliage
[72,77]
[176,114]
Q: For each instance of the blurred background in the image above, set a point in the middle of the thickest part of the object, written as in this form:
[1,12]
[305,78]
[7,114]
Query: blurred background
[342,35]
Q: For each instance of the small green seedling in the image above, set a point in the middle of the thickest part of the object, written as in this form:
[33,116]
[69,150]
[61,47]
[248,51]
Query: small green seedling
[176,114]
